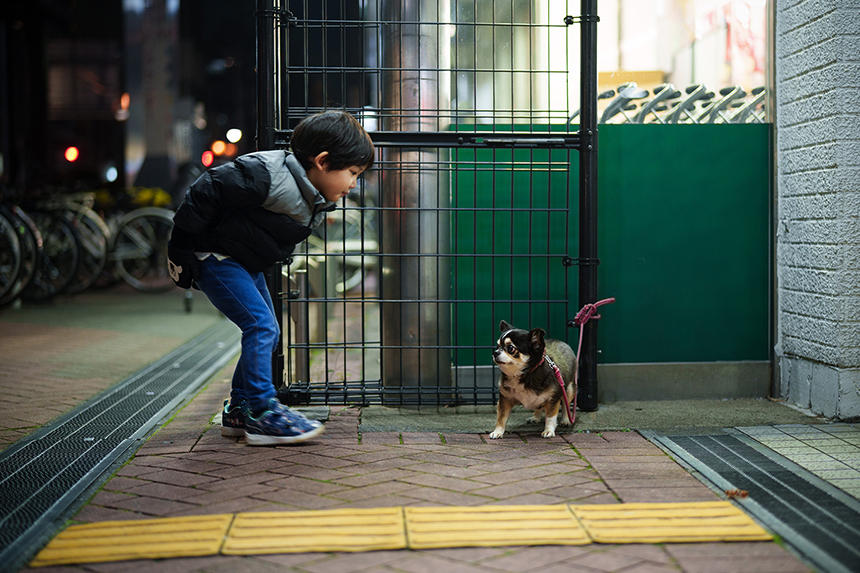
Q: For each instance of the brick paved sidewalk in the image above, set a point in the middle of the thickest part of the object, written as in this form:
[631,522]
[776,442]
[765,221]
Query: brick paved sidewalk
[188,468]
[56,355]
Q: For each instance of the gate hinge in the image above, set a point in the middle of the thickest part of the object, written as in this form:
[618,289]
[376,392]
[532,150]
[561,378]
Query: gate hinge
[569,261]
[568,20]
[283,15]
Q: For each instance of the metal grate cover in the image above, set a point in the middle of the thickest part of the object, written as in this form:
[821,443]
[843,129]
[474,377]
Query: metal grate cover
[43,474]
[818,520]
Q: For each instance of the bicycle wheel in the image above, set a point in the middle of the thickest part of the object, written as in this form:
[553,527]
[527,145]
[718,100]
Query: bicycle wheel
[110,275]
[10,255]
[30,240]
[94,236]
[60,257]
[140,249]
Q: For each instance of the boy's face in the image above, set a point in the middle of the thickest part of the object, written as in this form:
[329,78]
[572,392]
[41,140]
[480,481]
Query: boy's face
[334,184]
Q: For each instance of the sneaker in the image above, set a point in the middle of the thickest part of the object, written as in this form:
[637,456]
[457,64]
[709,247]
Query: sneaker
[280,425]
[232,420]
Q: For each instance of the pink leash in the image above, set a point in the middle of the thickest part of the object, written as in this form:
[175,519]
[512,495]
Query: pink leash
[585,314]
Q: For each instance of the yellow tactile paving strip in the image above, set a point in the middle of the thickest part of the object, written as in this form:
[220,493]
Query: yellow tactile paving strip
[668,522]
[399,528]
[324,530]
[490,526]
[140,539]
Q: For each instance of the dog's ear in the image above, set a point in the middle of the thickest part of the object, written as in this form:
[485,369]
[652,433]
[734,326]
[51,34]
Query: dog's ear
[503,326]
[536,336]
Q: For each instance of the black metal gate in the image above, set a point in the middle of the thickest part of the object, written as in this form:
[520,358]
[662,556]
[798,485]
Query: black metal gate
[469,215]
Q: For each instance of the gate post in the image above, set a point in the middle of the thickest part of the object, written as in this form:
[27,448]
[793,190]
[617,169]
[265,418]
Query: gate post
[265,138]
[588,261]
[415,324]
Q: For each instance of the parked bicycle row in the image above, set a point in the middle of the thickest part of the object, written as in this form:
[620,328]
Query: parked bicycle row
[694,104]
[60,244]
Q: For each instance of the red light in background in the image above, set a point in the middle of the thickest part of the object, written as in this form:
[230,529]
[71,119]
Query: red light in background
[71,154]
[207,158]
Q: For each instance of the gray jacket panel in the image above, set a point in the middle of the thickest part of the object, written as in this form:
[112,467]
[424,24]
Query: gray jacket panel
[291,192]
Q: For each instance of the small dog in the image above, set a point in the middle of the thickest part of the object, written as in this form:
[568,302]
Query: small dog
[529,379]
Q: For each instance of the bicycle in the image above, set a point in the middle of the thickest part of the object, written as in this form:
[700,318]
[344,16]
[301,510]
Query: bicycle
[59,260]
[10,256]
[622,103]
[714,112]
[602,95]
[663,96]
[751,111]
[139,222]
[683,112]
[696,104]
[61,245]
[30,247]
[91,232]
[139,248]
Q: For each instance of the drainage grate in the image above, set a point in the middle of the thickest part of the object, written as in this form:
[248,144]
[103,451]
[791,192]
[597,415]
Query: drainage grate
[818,520]
[43,474]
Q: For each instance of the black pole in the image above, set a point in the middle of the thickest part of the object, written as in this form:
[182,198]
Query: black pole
[266,22]
[265,74]
[587,395]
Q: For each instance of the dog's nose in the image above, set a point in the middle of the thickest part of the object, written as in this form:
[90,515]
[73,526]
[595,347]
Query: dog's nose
[496,352]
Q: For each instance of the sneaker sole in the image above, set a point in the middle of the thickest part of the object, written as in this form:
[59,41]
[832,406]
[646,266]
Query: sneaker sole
[230,432]
[266,440]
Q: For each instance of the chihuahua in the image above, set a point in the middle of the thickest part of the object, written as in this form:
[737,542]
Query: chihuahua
[526,360]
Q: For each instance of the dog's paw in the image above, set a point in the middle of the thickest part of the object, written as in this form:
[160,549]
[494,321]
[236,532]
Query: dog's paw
[548,433]
[496,434]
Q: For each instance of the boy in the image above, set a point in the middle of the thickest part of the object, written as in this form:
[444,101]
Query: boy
[239,219]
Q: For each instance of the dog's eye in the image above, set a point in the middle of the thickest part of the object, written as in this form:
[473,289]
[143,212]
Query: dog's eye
[511,349]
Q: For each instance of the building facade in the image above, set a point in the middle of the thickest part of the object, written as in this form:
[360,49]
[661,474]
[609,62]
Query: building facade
[817,226]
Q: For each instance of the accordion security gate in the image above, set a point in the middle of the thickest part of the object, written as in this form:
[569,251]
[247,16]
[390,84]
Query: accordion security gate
[469,215]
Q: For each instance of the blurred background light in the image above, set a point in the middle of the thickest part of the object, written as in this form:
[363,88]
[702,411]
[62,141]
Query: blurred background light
[111,174]
[71,154]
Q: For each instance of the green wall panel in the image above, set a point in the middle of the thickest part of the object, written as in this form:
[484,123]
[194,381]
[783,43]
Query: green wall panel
[683,243]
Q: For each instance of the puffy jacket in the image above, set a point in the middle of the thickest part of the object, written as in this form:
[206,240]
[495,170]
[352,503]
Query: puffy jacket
[254,209]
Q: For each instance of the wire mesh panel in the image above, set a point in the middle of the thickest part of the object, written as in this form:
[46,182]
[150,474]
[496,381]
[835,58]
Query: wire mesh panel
[466,217]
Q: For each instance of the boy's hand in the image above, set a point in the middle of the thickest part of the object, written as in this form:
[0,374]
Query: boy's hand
[182,264]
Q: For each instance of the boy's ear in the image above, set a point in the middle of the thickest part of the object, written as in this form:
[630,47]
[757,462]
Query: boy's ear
[320,161]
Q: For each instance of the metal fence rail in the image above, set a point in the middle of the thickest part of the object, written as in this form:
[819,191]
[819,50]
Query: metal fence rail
[469,215]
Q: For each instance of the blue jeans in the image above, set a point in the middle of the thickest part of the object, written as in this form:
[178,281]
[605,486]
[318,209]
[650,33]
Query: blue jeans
[244,298]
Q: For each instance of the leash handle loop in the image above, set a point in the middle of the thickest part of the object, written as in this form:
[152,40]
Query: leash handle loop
[585,314]
[589,311]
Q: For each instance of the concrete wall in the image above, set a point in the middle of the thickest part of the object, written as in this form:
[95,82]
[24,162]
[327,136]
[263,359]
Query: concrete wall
[817,89]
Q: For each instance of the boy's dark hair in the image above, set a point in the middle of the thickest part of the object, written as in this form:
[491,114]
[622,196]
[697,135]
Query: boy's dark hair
[334,131]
